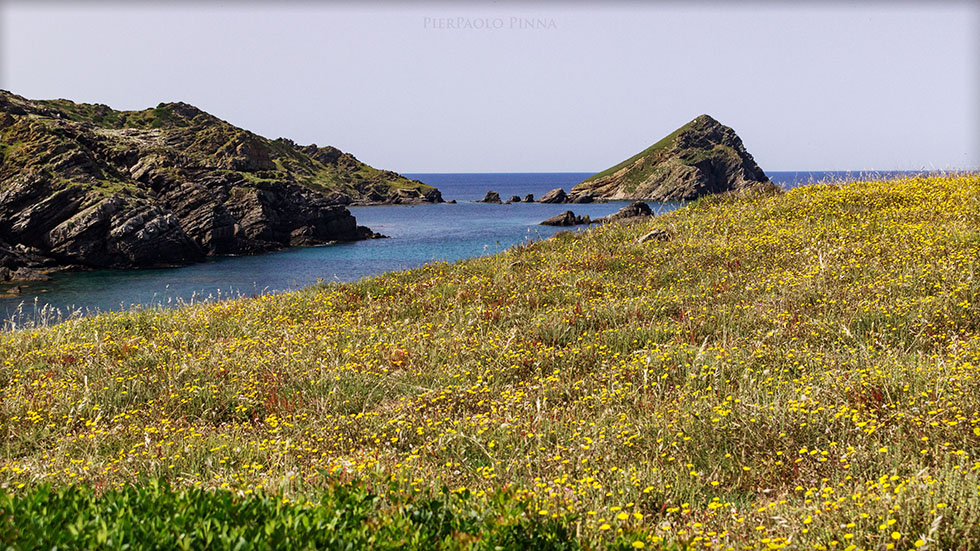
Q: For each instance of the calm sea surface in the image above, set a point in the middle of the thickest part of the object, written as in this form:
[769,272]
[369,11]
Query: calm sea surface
[419,234]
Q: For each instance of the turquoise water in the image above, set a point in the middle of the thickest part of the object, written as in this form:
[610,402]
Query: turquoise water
[418,234]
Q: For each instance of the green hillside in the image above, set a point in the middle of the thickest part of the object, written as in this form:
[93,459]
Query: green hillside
[787,370]
[183,138]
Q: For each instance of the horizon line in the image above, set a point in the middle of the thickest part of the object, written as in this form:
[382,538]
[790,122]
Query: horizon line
[860,170]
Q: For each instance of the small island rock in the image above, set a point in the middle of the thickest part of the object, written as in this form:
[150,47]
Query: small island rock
[491,197]
[567,218]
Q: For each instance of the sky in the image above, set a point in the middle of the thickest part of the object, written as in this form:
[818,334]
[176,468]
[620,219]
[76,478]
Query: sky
[539,87]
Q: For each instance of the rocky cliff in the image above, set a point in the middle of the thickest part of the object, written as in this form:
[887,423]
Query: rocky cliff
[86,186]
[700,158]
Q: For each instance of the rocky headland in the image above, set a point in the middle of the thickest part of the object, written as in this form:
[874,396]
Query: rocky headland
[700,158]
[86,186]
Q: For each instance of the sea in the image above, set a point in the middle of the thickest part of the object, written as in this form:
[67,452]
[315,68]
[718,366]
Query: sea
[418,234]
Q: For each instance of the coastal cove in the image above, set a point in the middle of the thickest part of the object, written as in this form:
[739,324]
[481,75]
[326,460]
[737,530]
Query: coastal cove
[418,234]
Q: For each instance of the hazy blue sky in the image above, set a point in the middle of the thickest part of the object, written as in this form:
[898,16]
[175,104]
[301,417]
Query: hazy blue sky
[578,88]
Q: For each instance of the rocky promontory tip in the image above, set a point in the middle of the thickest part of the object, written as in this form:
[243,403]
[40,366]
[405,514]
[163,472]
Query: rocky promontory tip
[87,186]
[700,158]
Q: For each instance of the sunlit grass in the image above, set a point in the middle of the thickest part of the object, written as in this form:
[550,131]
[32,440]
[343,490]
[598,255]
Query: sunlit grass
[787,370]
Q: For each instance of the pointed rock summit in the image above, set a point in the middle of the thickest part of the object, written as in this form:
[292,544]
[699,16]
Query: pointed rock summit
[700,158]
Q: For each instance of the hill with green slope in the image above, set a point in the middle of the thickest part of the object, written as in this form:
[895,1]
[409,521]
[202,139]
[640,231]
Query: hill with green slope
[86,185]
[700,158]
[795,370]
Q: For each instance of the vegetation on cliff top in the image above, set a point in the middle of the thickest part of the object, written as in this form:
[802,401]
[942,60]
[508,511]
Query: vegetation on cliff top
[792,370]
[666,142]
[203,141]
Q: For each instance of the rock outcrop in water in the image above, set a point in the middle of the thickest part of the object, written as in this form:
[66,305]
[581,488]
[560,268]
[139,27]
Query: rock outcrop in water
[85,186]
[491,197]
[567,218]
[633,212]
[630,213]
[700,158]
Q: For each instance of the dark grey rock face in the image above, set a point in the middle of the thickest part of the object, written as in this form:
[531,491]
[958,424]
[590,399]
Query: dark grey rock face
[556,195]
[491,197]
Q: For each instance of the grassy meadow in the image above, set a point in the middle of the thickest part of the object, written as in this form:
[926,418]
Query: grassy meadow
[790,370]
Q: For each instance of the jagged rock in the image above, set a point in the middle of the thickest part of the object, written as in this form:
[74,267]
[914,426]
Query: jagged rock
[116,232]
[28,274]
[19,262]
[262,227]
[566,218]
[491,197]
[432,196]
[556,195]
[87,186]
[700,158]
[203,211]
[633,211]
[581,198]
[374,194]
[529,198]
[338,198]
[514,199]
